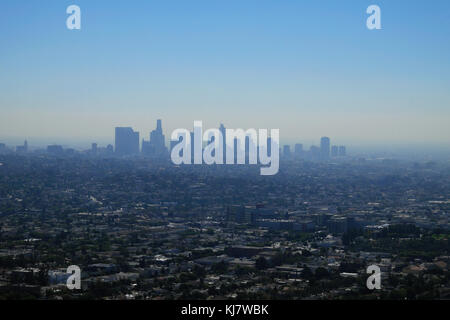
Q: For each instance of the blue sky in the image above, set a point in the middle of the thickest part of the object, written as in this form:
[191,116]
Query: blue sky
[309,68]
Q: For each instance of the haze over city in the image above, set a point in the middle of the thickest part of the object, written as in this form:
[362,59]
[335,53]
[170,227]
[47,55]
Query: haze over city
[233,158]
[308,69]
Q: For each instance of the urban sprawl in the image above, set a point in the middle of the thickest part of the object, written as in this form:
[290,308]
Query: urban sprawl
[140,227]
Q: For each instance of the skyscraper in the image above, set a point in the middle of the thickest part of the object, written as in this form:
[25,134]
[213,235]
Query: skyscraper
[287,151]
[342,151]
[298,150]
[224,139]
[109,149]
[94,148]
[325,148]
[157,139]
[156,146]
[127,141]
[24,148]
[334,151]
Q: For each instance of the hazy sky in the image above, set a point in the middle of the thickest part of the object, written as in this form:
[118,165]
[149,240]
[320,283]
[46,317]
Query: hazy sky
[309,68]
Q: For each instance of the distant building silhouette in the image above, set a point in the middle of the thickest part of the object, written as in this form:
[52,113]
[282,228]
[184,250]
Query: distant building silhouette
[325,148]
[127,141]
[298,150]
[287,151]
[334,151]
[223,131]
[94,148]
[109,149]
[342,151]
[156,146]
[2,148]
[24,148]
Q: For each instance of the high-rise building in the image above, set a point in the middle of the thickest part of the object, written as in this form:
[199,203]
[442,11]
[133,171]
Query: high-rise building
[157,139]
[235,150]
[24,148]
[342,151]
[223,131]
[127,141]
[298,150]
[109,149]
[94,148]
[287,151]
[147,148]
[334,151]
[325,147]
[156,146]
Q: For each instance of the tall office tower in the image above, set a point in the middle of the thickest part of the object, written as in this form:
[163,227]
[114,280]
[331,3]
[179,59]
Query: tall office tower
[325,147]
[127,141]
[159,125]
[334,151]
[156,146]
[342,151]
[298,150]
[157,139]
[287,151]
[109,149]
[147,148]
[22,149]
[224,138]
[235,150]
[94,148]
[2,147]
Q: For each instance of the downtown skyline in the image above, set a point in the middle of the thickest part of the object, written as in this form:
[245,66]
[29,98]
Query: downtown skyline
[308,146]
[403,150]
[294,66]
[233,158]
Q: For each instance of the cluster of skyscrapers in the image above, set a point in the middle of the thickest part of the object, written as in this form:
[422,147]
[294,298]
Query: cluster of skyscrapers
[127,142]
[156,146]
[324,152]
